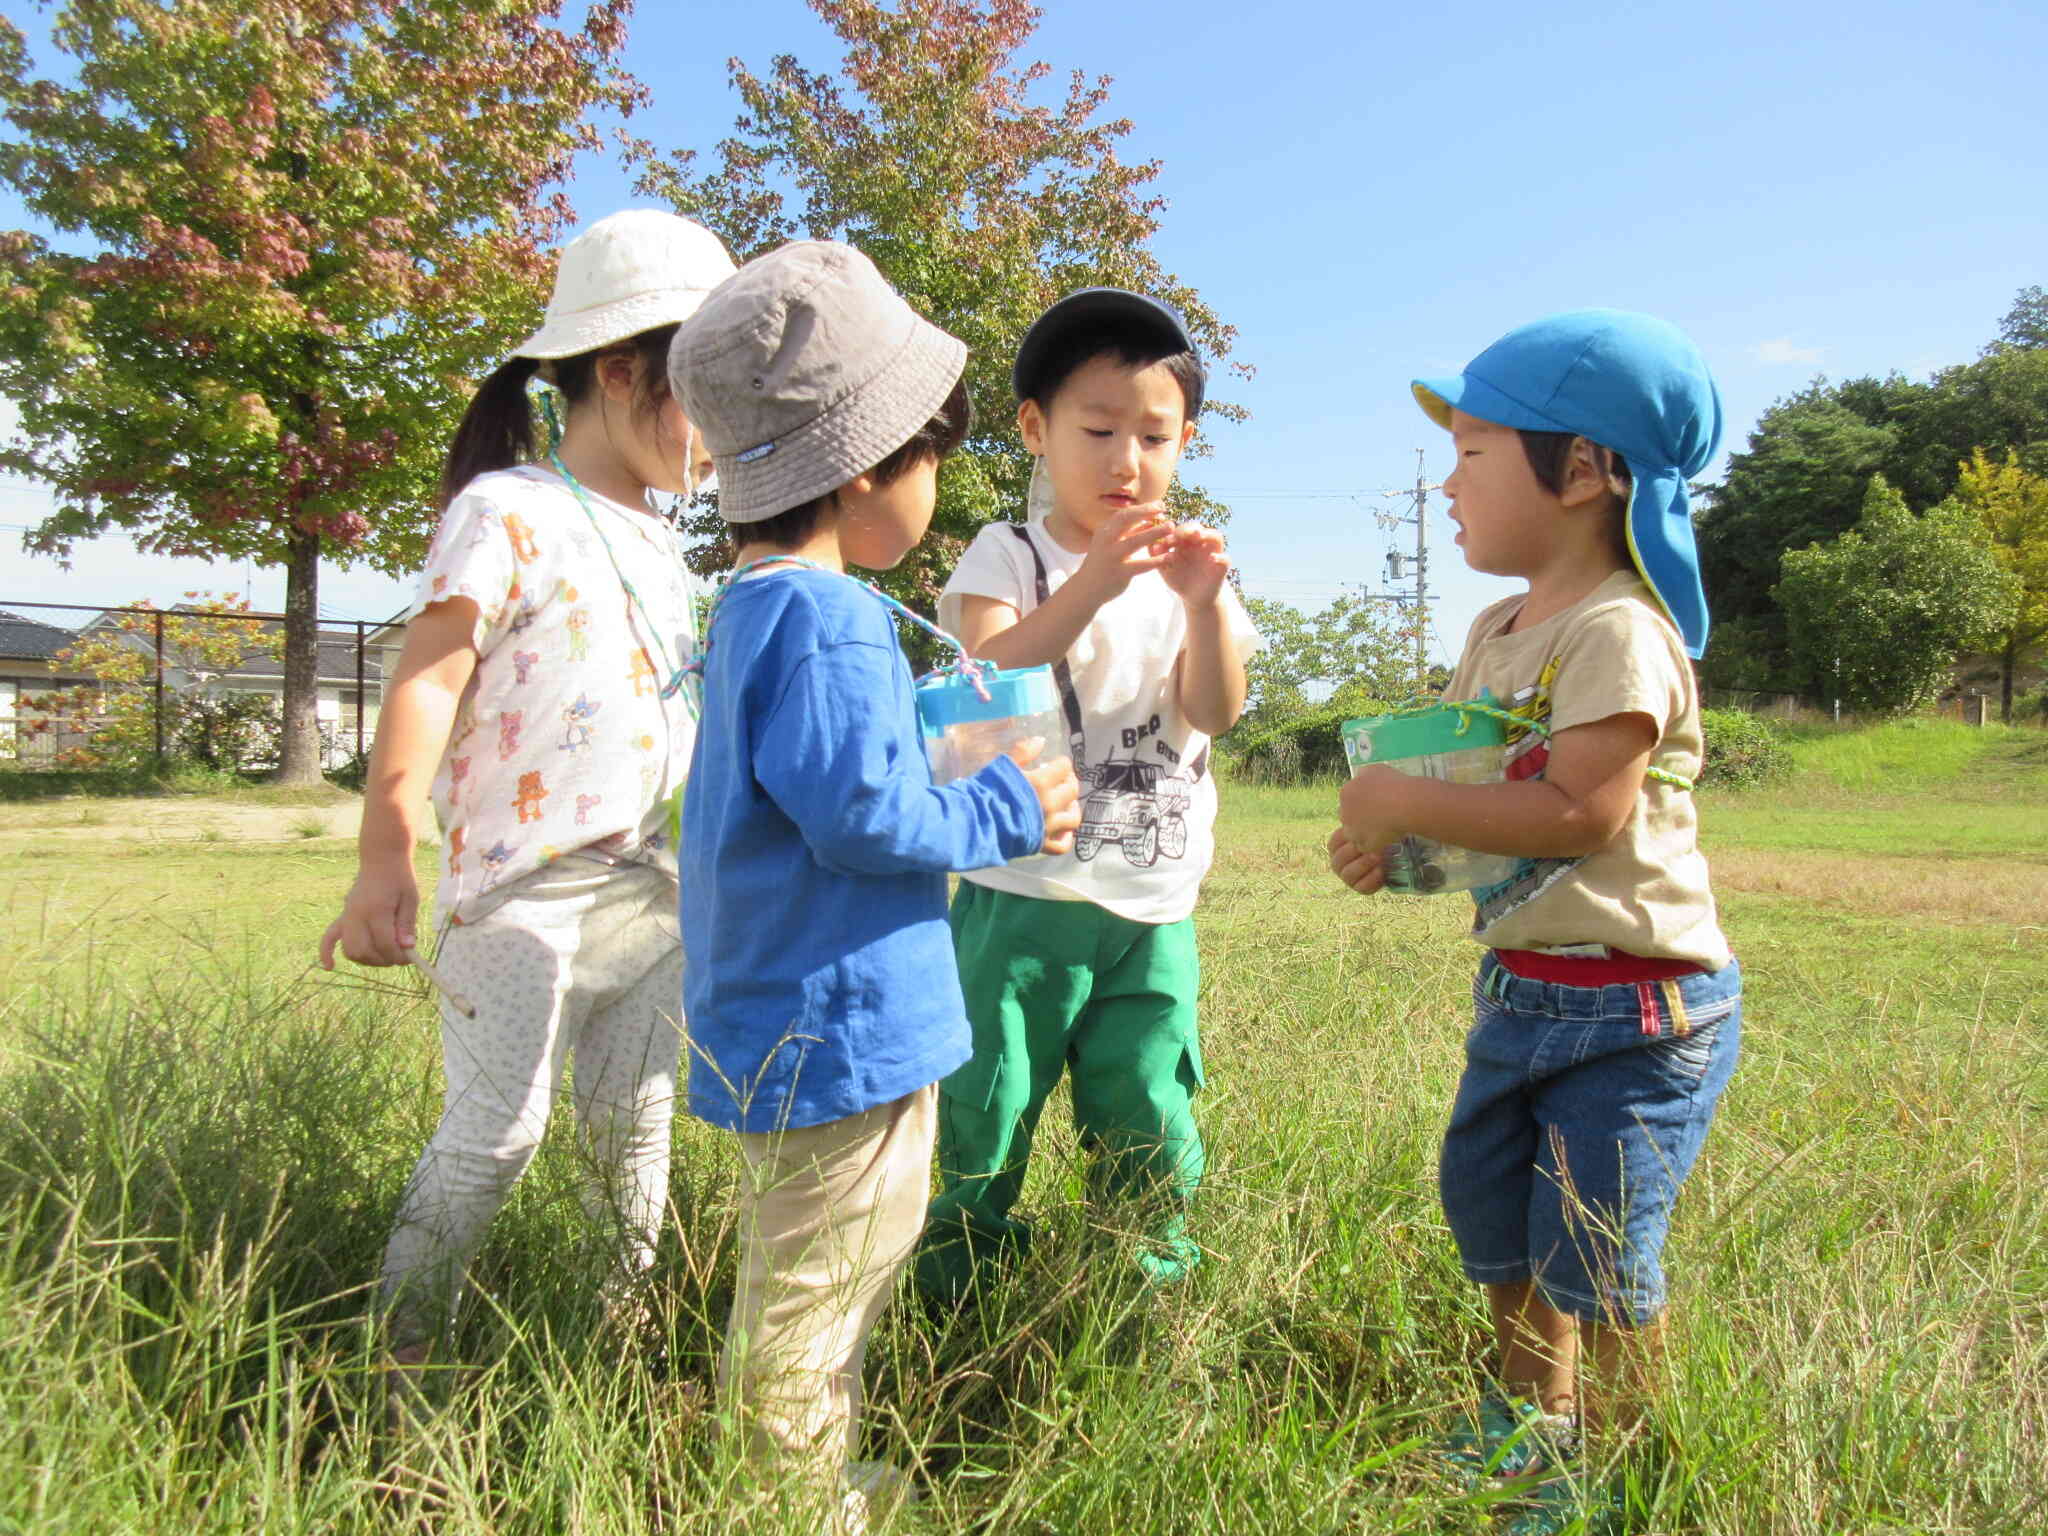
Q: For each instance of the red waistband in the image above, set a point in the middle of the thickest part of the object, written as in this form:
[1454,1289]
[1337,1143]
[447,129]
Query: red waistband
[1618,969]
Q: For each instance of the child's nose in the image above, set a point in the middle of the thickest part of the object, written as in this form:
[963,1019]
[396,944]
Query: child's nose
[1124,454]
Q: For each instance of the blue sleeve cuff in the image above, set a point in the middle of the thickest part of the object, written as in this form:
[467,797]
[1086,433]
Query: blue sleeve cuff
[1020,822]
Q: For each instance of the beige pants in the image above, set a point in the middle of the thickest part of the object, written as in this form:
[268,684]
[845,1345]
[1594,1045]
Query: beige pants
[829,1215]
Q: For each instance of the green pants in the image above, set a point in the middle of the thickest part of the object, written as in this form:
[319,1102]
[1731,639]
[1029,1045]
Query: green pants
[1054,985]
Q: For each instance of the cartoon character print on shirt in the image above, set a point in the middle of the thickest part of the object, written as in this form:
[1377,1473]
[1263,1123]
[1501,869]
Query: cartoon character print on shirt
[579,634]
[508,734]
[496,857]
[641,674]
[576,730]
[1138,803]
[456,835]
[532,790]
[1528,755]
[585,804]
[522,666]
[524,550]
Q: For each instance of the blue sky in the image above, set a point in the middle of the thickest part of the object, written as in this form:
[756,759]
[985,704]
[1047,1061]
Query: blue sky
[1368,192]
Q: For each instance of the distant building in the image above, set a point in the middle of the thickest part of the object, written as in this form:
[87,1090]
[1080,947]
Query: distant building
[28,651]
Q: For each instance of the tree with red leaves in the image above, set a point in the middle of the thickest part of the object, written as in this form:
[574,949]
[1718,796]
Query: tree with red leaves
[317,222]
[981,204]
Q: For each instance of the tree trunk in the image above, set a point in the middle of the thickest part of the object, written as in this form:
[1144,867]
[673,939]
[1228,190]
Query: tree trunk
[299,756]
[2011,660]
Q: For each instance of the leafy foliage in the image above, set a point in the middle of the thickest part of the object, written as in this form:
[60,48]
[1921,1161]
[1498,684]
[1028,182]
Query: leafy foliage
[315,222]
[1878,615]
[2012,505]
[929,154]
[1801,480]
[1353,643]
[1742,750]
[111,722]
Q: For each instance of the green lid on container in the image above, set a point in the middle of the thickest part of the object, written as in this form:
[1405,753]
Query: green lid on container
[1421,733]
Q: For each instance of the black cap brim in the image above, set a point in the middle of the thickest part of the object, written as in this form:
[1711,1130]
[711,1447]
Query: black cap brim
[1091,307]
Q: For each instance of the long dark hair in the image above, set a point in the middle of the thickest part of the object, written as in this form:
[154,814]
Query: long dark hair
[497,431]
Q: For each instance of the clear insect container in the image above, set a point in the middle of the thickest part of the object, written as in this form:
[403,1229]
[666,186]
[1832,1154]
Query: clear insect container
[1459,746]
[964,732]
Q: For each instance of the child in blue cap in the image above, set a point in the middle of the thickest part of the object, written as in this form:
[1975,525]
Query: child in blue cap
[1608,1002]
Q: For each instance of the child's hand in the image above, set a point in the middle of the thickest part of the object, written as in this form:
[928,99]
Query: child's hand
[1059,797]
[377,922]
[1365,873]
[1197,564]
[1369,806]
[1124,548]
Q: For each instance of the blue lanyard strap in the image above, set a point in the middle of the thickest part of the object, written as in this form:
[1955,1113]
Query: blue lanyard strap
[963,666]
[545,394]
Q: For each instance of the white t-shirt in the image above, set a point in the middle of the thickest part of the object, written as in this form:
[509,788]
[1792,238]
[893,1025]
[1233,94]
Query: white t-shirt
[1148,810]
[562,741]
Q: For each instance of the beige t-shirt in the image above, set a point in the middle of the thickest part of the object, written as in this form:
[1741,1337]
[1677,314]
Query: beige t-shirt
[1646,892]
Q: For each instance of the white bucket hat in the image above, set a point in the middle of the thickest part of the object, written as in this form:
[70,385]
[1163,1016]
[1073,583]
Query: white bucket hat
[627,273]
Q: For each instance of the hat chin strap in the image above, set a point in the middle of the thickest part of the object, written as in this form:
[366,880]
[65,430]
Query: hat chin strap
[1038,497]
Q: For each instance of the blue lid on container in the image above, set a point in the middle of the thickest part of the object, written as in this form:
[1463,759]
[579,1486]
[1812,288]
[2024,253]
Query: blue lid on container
[952,700]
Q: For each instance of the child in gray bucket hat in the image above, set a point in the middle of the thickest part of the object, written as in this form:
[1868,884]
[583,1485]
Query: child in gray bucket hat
[823,1001]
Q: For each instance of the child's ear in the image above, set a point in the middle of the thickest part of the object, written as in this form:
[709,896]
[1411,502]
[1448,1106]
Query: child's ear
[1187,435]
[617,375]
[1031,423]
[1585,480]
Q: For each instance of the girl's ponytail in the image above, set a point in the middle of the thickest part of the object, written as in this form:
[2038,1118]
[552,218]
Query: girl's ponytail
[496,430]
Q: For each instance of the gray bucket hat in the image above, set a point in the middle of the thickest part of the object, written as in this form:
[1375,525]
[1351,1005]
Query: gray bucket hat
[804,370]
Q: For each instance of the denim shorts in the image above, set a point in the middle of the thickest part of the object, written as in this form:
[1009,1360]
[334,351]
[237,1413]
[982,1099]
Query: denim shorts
[1578,1117]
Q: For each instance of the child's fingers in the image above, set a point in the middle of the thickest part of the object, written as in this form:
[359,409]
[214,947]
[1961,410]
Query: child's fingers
[327,942]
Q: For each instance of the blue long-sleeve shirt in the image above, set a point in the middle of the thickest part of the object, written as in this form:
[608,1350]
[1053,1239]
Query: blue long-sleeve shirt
[819,978]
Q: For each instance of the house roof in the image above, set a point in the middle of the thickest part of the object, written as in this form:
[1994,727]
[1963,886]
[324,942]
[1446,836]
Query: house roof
[24,639]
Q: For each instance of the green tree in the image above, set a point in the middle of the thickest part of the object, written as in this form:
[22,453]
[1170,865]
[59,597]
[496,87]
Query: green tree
[1802,477]
[1800,481]
[928,154]
[1353,647]
[2012,506]
[1877,617]
[308,224]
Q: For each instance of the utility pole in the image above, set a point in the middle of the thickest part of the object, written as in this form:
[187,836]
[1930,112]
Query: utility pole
[1417,602]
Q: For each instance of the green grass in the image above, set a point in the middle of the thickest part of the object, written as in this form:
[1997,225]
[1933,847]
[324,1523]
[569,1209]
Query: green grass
[201,1143]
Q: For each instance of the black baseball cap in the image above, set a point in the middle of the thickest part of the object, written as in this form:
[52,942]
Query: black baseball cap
[1092,308]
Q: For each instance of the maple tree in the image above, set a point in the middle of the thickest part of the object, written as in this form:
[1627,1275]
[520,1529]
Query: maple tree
[930,154]
[316,223]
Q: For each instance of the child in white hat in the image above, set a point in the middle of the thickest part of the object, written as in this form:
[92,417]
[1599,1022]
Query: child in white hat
[539,696]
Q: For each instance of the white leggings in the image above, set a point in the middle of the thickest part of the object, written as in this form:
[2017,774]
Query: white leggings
[581,957]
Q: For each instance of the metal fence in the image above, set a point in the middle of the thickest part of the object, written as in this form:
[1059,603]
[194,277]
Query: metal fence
[353,657]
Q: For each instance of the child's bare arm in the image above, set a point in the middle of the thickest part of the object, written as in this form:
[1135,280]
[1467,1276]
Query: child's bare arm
[1209,681]
[1584,798]
[377,922]
[1120,551]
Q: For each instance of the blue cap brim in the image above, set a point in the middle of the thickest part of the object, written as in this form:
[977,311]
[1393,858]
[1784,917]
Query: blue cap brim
[1659,521]
[1475,397]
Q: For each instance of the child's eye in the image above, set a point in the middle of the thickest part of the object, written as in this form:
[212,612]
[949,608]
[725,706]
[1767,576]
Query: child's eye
[1158,441]
[1096,431]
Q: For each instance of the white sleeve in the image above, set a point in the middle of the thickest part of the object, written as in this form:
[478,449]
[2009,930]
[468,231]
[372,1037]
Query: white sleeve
[472,556]
[993,566]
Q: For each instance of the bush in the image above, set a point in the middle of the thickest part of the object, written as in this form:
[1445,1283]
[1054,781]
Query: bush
[1742,750]
[1308,747]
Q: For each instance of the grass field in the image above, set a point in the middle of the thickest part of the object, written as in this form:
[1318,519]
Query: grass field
[201,1143]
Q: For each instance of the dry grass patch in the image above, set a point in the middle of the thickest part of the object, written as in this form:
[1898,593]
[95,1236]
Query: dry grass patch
[1939,890]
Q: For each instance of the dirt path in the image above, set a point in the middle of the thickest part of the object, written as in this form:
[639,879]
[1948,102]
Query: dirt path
[177,819]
